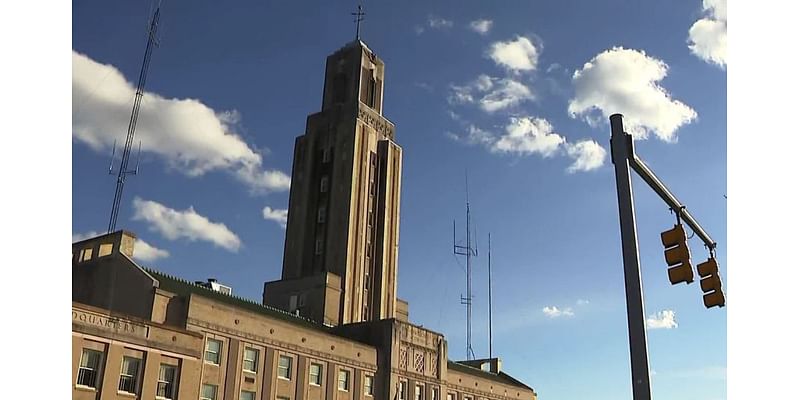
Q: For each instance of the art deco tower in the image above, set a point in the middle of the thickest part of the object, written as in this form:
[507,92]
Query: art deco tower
[340,255]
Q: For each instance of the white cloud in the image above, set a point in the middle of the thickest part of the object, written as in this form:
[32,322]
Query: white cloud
[474,135]
[555,312]
[77,237]
[588,155]
[662,320]
[516,55]
[276,214]
[708,37]
[491,94]
[175,224]
[439,23]
[146,252]
[481,26]
[527,135]
[625,81]
[190,136]
[582,302]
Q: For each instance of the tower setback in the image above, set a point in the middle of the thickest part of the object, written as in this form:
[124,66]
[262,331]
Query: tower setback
[340,254]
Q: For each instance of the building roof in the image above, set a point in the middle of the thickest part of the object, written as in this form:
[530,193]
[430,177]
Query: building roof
[183,287]
[501,377]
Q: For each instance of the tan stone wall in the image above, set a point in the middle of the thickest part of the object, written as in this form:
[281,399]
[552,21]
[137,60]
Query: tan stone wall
[468,385]
[116,337]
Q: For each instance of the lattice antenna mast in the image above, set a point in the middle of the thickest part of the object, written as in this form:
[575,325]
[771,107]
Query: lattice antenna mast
[123,172]
[490,295]
[468,251]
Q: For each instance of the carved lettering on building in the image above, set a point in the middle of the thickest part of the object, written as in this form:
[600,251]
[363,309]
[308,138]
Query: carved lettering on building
[377,122]
[110,323]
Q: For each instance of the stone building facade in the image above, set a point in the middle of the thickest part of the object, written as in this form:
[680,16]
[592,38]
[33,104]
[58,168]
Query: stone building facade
[330,329]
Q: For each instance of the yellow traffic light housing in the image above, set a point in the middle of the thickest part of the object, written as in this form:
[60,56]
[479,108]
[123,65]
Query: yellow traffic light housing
[677,255]
[711,284]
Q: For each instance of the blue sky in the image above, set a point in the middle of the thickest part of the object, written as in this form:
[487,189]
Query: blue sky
[520,103]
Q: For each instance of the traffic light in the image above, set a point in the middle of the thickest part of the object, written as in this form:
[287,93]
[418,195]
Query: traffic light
[677,255]
[711,284]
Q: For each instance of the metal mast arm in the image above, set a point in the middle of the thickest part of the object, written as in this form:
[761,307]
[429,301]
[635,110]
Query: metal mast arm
[652,180]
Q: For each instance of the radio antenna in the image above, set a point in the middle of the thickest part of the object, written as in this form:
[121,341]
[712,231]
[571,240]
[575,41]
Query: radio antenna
[468,251]
[123,171]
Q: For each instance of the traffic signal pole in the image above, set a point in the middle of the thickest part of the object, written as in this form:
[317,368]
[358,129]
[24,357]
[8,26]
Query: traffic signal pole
[621,147]
[624,158]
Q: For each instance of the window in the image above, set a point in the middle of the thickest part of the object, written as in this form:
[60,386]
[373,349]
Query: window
[86,255]
[434,393]
[344,380]
[129,375]
[285,367]
[250,363]
[323,184]
[321,215]
[326,155]
[105,249]
[318,246]
[247,395]
[402,390]
[315,374]
[89,368]
[281,398]
[418,392]
[368,385]
[167,376]
[451,396]
[213,349]
[209,392]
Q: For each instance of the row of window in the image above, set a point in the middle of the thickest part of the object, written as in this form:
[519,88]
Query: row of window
[419,390]
[92,362]
[250,364]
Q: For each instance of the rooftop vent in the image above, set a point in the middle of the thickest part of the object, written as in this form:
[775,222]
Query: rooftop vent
[215,286]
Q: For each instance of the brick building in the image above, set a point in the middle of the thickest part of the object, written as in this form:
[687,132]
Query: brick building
[331,328]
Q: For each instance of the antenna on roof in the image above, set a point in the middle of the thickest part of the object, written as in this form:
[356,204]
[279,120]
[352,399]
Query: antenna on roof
[468,251]
[490,295]
[123,171]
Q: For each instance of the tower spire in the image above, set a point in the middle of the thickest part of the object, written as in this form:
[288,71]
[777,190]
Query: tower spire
[359,16]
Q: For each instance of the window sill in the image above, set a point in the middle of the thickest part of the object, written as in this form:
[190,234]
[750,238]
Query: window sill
[285,379]
[127,394]
[250,372]
[85,388]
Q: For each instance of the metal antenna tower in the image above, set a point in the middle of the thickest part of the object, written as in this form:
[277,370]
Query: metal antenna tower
[468,251]
[490,295]
[126,152]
